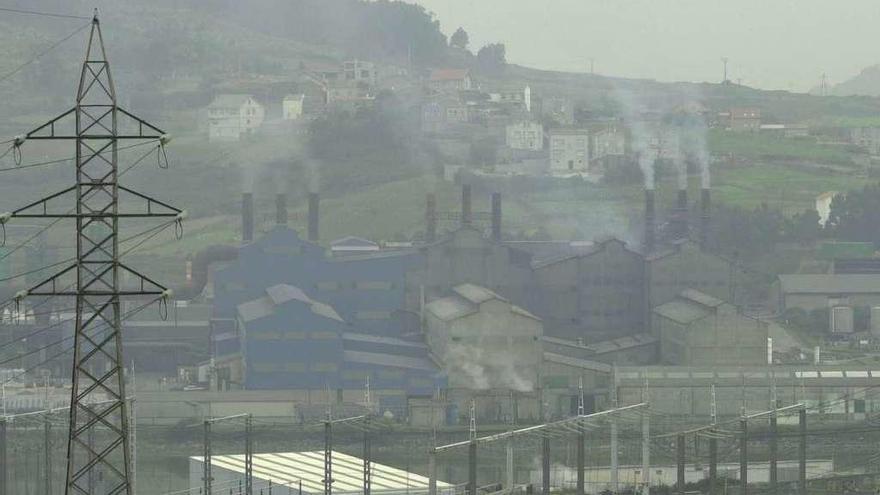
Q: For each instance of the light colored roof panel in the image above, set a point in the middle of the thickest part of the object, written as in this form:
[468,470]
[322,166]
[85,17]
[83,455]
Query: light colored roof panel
[475,293]
[282,293]
[256,309]
[450,308]
[291,468]
[701,298]
[682,311]
[376,339]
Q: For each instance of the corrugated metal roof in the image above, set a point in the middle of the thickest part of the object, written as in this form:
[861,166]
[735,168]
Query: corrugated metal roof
[376,339]
[281,293]
[577,363]
[450,308]
[682,311]
[475,293]
[830,284]
[701,298]
[377,359]
[289,468]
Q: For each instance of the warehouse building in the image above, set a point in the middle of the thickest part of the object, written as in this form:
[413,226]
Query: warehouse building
[487,345]
[696,329]
[819,291]
[303,472]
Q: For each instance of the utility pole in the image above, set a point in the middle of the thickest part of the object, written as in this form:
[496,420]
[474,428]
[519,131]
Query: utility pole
[581,438]
[207,478]
[248,455]
[774,453]
[472,451]
[4,445]
[724,61]
[744,456]
[47,430]
[98,125]
[367,463]
[713,448]
[802,451]
[328,454]
[615,479]
[679,454]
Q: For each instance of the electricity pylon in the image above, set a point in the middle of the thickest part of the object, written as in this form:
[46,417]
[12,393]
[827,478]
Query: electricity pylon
[98,441]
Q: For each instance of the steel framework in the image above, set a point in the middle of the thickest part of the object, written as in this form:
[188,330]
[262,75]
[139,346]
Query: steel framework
[98,441]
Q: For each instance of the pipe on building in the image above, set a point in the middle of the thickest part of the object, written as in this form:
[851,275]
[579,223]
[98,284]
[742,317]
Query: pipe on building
[466,212]
[496,217]
[247,217]
[314,205]
[430,218]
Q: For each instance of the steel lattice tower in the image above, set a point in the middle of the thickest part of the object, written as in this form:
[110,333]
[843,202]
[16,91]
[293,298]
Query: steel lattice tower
[98,443]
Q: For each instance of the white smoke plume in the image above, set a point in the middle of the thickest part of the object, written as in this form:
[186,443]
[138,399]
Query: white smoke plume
[496,370]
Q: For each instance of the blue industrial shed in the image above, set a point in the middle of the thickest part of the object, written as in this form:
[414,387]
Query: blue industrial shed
[290,341]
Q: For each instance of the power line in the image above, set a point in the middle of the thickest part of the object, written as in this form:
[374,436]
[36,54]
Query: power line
[43,14]
[68,159]
[44,52]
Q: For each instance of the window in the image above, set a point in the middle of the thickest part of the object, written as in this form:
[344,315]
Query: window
[571,164]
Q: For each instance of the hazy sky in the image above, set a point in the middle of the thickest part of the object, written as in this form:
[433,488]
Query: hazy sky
[774,44]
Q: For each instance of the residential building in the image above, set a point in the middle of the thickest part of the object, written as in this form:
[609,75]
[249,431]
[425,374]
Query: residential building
[607,141]
[525,135]
[823,205]
[569,151]
[866,137]
[744,119]
[360,71]
[292,106]
[696,329]
[451,80]
[232,115]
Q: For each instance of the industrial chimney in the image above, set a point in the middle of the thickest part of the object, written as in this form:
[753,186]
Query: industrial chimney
[466,212]
[314,203]
[681,208]
[281,208]
[705,214]
[430,218]
[247,217]
[496,217]
[650,217]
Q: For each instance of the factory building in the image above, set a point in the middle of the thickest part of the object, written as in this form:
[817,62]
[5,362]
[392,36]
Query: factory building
[820,291]
[484,341]
[696,329]
[596,295]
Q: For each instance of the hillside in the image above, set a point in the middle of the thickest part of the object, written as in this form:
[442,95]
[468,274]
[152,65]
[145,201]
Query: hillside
[866,83]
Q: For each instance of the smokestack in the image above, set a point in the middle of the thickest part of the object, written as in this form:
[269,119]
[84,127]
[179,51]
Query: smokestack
[430,218]
[682,208]
[466,215]
[496,217]
[247,217]
[649,220]
[281,208]
[705,214]
[314,203]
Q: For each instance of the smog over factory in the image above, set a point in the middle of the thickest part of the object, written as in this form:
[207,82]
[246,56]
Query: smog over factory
[439,247]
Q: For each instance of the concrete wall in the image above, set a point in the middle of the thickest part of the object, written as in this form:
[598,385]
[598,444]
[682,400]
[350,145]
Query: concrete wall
[722,338]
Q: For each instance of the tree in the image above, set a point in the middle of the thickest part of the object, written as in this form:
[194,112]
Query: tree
[459,39]
[804,227]
[492,58]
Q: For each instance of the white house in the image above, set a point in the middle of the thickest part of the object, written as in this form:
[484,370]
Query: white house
[292,106]
[525,136]
[569,151]
[823,205]
[451,80]
[231,115]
